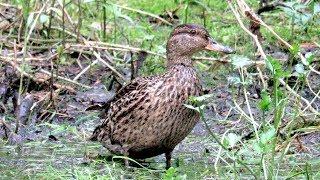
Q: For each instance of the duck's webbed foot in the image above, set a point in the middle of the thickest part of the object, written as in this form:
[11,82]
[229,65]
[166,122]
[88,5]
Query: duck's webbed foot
[117,149]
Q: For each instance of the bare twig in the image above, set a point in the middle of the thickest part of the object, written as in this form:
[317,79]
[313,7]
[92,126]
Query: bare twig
[255,38]
[297,95]
[254,124]
[142,12]
[238,108]
[96,54]
[249,13]
[65,79]
[85,70]
[316,95]
[27,59]
[8,5]
[308,84]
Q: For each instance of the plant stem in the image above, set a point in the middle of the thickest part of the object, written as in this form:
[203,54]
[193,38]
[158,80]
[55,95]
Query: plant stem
[104,18]
[186,12]
[79,20]
[222,145]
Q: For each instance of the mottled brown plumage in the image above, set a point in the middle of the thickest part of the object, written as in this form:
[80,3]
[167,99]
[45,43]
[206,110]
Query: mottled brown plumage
[147,117]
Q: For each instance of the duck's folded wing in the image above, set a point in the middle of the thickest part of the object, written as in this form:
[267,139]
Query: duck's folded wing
[134,85]
[120,104]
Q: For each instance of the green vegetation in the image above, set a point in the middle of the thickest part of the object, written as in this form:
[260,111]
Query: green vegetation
[256,130]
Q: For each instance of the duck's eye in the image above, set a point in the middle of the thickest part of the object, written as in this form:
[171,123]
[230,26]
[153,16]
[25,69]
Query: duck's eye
[193,32]
[213,41]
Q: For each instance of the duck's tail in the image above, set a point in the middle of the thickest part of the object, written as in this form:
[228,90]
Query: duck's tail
[101,132]
[95,134]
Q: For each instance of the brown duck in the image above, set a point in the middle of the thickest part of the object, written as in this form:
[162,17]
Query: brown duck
[147,117]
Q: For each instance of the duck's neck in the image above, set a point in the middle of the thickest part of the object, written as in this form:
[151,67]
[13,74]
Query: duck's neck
[175,59]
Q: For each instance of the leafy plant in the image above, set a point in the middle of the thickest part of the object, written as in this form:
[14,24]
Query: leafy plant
[302,15]
[172,174]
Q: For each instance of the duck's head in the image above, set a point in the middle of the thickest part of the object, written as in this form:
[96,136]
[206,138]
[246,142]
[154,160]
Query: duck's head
[187,39]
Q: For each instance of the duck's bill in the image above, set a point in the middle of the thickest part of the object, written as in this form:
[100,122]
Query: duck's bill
[214,46]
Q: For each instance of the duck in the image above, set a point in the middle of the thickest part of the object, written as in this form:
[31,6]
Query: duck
[147,117]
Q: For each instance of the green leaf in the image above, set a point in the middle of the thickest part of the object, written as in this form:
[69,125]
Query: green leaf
[265,102]
[201,66]
[170,173]
[299,68]
[200,99]
[256,146]
[269,65]
[192,107]
[126,18]
[304,19]
[63,59]
[316,8]
[30,19]
[88,1]
[294,50]
[264,144]
[275,67]
[149,37]
[60,50]
[310,57]
[234,80]
[116,11]
[233,139]
[44,18]
[240,61]
[267,136]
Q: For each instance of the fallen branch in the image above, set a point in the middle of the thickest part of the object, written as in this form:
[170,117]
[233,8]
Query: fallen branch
[85,70]
[65,79]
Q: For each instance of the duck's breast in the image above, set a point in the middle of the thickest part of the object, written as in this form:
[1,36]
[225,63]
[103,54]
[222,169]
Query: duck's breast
[181,119]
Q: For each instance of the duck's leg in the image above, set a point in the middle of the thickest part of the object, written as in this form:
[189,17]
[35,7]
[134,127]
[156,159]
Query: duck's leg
[125,150]
[168,159]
